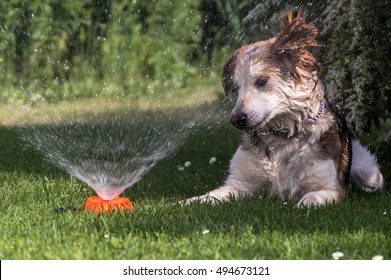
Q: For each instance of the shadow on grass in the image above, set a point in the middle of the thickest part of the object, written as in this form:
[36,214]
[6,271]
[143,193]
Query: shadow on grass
[16,157]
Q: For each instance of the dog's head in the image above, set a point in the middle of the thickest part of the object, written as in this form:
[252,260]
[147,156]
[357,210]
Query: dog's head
[273,79]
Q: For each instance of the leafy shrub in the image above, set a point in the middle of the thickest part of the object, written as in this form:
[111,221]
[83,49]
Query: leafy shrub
[51,50]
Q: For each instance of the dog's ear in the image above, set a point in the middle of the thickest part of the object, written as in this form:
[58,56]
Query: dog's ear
[292,42]
[295,34]
[227,78]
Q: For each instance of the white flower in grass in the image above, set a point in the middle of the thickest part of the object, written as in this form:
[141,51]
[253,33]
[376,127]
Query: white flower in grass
[337,255]
[181,168]
[377,258]
[212,160]
[205,232]
[107,236]
[187,163]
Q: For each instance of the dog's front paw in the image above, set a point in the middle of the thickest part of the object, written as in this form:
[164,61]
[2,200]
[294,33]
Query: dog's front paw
[319,198]
[200,199]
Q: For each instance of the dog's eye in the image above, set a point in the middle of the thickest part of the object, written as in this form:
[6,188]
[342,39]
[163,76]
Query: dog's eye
[261,81]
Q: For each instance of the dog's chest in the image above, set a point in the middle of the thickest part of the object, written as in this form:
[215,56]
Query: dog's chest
[277,163]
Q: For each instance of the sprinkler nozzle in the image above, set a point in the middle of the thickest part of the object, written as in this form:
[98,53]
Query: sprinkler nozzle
[98,205]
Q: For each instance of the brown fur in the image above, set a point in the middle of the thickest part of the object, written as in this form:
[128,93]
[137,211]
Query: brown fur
[294,144]
[291,44]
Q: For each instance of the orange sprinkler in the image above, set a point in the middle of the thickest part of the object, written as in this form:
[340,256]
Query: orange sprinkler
[99,205]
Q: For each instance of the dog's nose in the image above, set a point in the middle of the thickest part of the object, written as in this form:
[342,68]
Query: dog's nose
[239,120]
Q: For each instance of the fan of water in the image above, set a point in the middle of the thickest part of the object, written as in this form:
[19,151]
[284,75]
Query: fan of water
[113,154]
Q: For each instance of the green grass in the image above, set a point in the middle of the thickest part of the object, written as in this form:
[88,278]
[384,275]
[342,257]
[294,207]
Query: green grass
[258,228]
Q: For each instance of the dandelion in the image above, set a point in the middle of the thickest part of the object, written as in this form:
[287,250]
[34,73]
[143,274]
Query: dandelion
[384,213]
[187,163]
[181,168]
[212,160]
[377,258]
[106,236]
[205,232]
[337,255]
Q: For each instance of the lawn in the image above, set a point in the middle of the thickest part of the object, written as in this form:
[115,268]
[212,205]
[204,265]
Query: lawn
[31,189]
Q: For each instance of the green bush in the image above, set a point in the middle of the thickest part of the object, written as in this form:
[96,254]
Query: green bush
[51,50]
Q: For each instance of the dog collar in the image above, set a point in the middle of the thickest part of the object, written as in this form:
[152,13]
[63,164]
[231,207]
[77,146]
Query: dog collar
[319,114]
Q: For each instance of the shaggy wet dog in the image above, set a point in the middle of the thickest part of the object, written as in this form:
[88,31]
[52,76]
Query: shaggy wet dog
[294,143]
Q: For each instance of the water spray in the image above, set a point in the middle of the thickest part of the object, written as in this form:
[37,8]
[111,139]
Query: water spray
[113,153]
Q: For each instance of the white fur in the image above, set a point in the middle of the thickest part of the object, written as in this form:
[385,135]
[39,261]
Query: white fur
[292,173]
[295,166]
[287,167]
[318,198]
[365,171]
[288,174]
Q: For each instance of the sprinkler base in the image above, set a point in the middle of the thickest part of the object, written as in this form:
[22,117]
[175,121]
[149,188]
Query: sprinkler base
[98,205]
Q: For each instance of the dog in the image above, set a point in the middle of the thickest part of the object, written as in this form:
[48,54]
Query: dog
[294,144]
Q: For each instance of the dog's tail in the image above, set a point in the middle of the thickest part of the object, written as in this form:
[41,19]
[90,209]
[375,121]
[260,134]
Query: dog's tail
[365,172]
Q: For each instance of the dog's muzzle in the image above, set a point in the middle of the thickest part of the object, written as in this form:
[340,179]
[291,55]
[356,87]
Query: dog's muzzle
[239,120]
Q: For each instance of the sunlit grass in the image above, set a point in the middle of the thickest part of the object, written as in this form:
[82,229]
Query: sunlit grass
[86,109]
[258,228]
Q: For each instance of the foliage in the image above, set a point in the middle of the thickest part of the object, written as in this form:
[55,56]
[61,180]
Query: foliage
[358,77]
[221,24]
[48,47]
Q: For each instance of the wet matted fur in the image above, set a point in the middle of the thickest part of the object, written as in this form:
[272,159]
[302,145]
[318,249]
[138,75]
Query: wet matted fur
[294,143]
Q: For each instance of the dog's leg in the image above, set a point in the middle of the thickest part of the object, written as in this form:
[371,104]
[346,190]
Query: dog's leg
[220,194]
[321,185]
[320,198]
[365,172]
[239,183]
